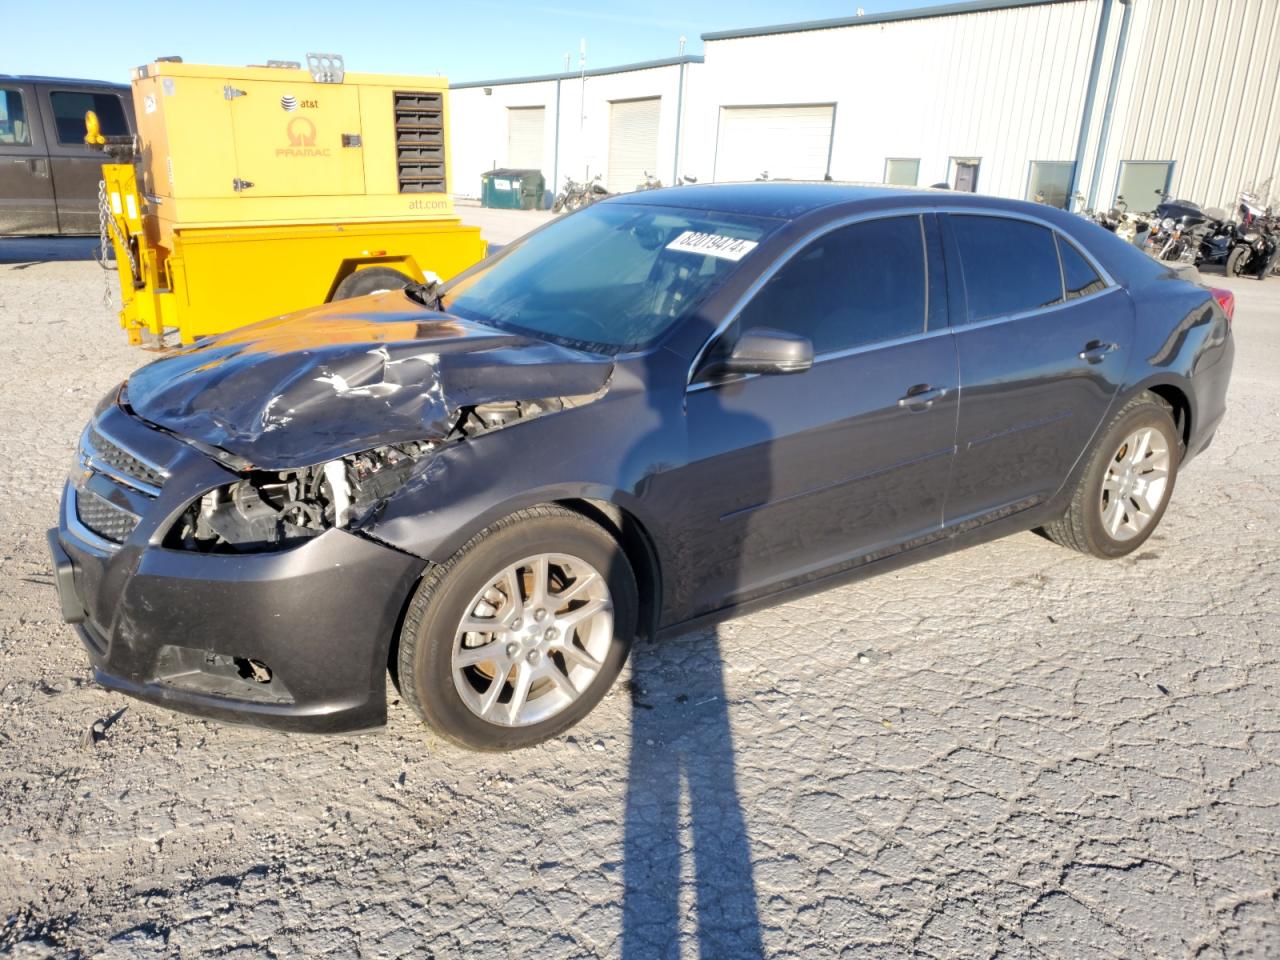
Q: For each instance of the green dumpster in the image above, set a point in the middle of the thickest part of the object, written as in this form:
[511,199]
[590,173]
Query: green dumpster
[511,189]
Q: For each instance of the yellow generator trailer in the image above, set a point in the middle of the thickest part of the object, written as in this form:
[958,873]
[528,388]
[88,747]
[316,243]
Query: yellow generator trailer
[254,191]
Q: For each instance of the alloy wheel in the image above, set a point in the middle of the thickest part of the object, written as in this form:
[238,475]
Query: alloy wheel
[533,639]
[1135,484]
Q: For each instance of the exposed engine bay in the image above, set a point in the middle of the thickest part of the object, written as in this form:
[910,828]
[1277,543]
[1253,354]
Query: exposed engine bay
[271,509]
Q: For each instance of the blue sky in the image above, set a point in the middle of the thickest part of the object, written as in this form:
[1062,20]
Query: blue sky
[472,40]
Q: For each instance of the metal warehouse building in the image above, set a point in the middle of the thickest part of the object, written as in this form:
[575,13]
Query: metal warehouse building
[1020,98]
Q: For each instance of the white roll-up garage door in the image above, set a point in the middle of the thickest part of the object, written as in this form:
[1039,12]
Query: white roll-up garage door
[525,137]
[633,143]
[790,143]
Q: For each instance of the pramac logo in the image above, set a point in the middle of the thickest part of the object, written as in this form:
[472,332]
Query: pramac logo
[302,140]
[302,132]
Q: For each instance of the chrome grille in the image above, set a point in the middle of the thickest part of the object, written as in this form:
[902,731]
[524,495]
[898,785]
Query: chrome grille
[110,458]
[103,517]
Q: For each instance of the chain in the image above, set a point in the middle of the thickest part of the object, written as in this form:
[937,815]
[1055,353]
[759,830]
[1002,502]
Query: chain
[106,222]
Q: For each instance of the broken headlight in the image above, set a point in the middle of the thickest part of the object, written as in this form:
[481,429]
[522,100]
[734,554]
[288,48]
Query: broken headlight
[274,509]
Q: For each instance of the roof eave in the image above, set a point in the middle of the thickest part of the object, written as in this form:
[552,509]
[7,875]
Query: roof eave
[575,74]
[915,13]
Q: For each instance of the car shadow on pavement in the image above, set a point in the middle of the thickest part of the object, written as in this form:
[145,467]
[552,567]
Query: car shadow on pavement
[25,252]
[685,826]
[682,750]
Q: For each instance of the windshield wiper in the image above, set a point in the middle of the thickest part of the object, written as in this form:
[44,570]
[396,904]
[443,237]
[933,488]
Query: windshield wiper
[428,294]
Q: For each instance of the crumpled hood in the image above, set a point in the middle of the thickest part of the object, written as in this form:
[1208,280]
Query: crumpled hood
[312,386]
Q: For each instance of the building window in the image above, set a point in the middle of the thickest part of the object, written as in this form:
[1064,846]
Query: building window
[1143,183]
[964,174]
[1050,182]
[902,171]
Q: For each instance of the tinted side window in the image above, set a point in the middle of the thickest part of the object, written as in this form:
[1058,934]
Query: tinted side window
[69,110]
[857,285]
[1010,266]
[1080,278]
[13,118]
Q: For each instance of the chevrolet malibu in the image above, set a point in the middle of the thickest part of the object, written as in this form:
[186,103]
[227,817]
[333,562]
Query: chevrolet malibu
[663,410]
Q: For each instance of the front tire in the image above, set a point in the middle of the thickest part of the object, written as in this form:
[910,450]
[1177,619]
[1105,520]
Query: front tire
[521,632]
[1123,493]
[1236,261]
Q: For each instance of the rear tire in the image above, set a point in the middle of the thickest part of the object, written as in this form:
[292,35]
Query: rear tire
[1124,491]
[478,633]
[369,281]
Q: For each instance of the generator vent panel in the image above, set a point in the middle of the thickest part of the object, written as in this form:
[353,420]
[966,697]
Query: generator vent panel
[420,142]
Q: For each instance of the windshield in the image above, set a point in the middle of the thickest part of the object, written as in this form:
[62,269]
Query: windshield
[611,278]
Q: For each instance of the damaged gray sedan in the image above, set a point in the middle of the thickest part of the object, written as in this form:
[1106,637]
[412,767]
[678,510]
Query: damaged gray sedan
[658,412]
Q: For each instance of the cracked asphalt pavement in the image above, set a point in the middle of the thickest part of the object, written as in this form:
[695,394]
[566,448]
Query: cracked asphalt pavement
[1013,751]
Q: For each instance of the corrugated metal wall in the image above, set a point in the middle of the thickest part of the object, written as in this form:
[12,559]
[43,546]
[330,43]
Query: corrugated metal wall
[1006,86]
[1201,85]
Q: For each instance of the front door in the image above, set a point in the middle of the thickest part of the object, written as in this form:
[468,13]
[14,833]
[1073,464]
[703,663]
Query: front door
[77,167]
[26,187]
[790,475]
[1042,343]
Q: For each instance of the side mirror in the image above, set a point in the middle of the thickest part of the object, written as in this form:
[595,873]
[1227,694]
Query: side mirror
[764,350]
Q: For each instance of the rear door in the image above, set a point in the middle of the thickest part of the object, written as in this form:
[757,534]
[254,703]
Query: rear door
[790,475]
[76,167]
[1042,341]
[26,185]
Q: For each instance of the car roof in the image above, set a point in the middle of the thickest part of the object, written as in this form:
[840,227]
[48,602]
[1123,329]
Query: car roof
[67,81]
[792,199]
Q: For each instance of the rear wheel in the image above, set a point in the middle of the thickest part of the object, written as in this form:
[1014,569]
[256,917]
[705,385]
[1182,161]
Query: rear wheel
[521,633]
[371,280]
[1124,491]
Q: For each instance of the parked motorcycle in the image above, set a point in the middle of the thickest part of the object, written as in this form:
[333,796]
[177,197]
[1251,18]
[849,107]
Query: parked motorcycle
[1255,252]
[1179,242]
[576,195]
[1135,228]
[650,182]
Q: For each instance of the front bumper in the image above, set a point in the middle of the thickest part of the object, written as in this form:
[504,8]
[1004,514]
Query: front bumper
[295,639]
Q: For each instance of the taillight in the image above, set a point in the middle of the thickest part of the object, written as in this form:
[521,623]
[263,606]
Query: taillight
[1227,300]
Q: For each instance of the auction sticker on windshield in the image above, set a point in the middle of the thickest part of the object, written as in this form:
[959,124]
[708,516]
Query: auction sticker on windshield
[712,245]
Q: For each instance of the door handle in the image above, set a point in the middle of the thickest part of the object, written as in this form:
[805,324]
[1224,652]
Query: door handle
[1095,351]
[921,396]
[36,166]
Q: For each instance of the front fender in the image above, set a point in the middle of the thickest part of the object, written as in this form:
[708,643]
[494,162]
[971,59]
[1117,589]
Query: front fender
[470,484]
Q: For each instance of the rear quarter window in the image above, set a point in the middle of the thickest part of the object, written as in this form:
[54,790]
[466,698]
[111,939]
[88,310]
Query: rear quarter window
[1079,279]
[1010,266]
